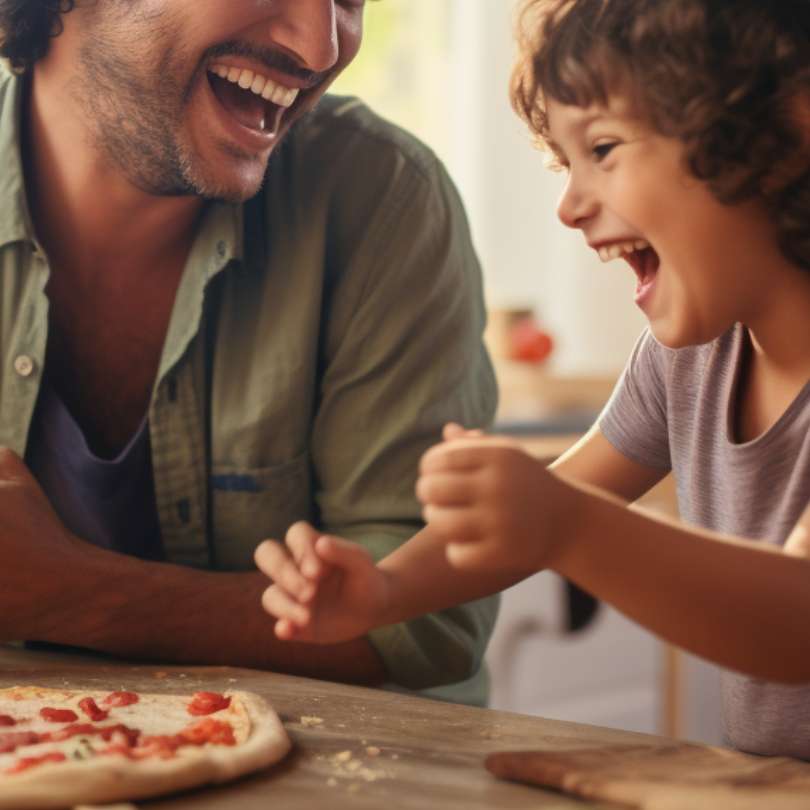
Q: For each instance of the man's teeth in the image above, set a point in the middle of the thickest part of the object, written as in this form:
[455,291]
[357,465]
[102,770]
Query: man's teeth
[258,84]
[609,252]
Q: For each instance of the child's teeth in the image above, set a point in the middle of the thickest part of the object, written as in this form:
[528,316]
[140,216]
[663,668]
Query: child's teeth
[609,252]
[258,84]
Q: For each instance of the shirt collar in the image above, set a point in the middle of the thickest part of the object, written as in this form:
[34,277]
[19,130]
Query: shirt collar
[15,219]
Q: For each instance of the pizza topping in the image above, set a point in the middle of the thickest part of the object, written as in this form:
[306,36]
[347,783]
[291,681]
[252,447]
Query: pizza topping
[5,720]
[105,732]
[208,730]
[91,709]
[58,715]
[207,703]
[83,750]
[164,746]
[121,699]
[24,763]
[11,740]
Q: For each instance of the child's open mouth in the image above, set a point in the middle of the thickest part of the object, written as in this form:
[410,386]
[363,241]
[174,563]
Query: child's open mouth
[640,255]
[253,100]
[645,262]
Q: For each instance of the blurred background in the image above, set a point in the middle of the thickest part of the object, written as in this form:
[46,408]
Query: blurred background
[561,326]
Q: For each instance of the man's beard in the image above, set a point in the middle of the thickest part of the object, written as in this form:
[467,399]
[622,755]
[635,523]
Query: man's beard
[135,123]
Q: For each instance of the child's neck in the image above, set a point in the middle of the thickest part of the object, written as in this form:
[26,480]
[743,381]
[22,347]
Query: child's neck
[765,390]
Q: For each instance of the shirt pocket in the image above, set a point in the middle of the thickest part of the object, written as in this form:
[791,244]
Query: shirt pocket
[251,505]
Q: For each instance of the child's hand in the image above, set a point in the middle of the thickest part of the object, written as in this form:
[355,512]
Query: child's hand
[452,431]
[495,506]
[324,590]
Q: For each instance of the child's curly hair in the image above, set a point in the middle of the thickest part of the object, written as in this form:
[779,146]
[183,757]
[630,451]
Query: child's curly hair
[729,78]
[26,27]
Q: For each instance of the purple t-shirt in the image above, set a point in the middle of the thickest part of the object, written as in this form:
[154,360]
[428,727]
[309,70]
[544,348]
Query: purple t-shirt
[675,409]
[110,503]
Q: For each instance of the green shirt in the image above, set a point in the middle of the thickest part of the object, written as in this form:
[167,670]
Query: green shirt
[321,335]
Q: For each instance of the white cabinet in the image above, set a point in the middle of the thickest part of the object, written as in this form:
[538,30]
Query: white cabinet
[607,674]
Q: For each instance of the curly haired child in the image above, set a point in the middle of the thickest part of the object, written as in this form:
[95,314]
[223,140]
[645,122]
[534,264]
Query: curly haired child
[684,130]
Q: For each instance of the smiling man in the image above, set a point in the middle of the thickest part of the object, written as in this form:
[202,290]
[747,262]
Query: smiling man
[224,311]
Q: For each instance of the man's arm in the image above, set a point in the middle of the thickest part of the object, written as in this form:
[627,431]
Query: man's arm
[58,588]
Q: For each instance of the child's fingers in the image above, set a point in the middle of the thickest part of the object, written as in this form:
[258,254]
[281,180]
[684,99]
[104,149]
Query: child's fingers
[343,553]
[286,630]
[301,538]
[456,456]
[452,430]
[453,523]
[280,604]
[275,561]
[444,489]
[466,556]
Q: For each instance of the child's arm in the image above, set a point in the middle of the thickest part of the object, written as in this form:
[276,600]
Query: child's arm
[739,603]
[327,590]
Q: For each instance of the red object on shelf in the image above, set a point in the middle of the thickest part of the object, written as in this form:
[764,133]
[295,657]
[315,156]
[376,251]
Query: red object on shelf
[528,343]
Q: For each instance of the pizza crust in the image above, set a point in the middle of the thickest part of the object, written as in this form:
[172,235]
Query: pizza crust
[110,778]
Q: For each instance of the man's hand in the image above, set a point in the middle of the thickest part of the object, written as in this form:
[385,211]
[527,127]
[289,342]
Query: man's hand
[324,590]
[36,551]
[495,507]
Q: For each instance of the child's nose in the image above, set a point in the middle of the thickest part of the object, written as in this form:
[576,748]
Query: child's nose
[576,205]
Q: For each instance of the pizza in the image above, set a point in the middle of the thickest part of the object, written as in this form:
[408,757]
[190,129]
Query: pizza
[61,747]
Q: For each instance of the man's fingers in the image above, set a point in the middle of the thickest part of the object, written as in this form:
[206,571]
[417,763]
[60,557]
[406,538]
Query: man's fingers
[12,466]
[275,561]
[445,489]
[343,553]
[301,538]
[280,604]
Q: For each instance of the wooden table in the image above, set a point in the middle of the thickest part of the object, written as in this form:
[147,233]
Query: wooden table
[371,749]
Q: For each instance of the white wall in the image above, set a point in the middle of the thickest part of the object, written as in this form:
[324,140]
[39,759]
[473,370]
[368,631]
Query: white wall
[529,258]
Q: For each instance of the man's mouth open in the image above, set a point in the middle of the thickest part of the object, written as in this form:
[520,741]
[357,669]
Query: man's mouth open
[255,101]
[641,256]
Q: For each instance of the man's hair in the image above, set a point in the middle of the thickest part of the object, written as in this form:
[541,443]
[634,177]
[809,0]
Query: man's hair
[729,78]
[26,27]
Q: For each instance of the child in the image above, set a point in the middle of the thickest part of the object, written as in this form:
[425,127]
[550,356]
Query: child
[684,129]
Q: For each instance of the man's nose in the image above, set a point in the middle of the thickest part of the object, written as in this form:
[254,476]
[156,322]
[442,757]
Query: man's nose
[576,206]
[307,30]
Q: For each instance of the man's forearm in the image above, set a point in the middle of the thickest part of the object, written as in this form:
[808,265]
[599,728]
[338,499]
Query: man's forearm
[137,609]
[741,604]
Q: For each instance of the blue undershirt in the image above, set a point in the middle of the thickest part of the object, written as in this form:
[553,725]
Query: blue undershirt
[110,503]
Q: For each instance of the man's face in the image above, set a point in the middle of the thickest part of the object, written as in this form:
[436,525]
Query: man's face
[192,96]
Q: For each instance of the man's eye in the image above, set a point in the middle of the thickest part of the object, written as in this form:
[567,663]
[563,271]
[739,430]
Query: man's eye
[602,150]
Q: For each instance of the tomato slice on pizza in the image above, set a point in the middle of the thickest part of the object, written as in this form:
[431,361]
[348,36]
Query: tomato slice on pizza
[61,747]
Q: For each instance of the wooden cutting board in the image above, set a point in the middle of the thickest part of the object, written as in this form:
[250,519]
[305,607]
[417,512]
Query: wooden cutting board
[677,776]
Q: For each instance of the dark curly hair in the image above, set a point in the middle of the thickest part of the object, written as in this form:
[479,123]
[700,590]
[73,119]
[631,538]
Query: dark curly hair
[729,78]
[26,27]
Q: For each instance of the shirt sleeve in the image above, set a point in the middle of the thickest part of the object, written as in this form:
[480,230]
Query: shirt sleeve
[634,420]
[403,354]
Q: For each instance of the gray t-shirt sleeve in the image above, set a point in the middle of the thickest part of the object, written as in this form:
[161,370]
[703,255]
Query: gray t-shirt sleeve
[634,420]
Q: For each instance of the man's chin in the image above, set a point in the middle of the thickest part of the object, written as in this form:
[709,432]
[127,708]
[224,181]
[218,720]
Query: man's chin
[236,186]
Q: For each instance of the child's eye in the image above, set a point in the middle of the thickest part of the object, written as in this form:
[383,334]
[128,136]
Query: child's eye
[602,150]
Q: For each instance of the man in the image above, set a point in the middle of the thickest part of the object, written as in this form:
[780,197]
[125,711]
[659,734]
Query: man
[203,345]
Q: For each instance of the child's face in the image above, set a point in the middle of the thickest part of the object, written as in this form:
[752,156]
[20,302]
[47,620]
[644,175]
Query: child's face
[699,263]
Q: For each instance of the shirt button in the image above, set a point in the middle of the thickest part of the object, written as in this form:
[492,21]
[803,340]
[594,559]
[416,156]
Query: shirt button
[23,365]
[221,249]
